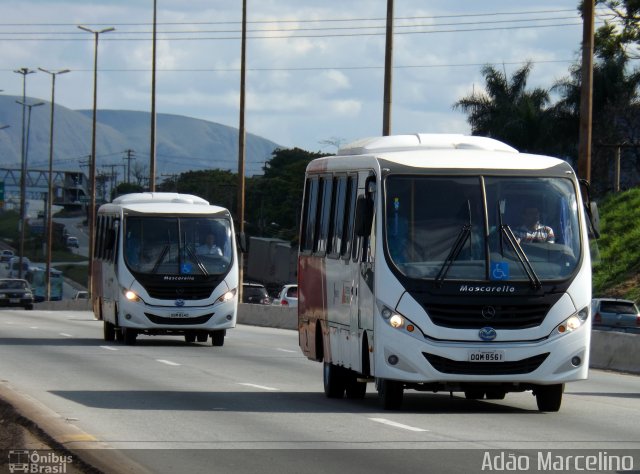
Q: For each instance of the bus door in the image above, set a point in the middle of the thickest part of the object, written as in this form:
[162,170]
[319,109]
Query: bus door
[363,252]
[110,268]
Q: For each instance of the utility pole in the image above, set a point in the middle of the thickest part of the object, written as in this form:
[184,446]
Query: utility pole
[23,173]
[130,156]
[586,92]
[241,141]
[388,72]
[152,146]
[49,226]
[92,168]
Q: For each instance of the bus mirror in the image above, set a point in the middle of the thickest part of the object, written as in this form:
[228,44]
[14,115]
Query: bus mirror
[364,216]
[241,241]
[594,220]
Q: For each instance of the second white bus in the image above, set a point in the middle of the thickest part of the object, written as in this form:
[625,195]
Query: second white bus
[150,275]
[413,272]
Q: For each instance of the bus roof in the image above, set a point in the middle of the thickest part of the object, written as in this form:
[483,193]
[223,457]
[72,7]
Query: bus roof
[434,151]
[156,198]
[423,141]
[161,203]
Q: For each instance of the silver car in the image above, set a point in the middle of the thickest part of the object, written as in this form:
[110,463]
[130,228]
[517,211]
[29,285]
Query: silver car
[616,313]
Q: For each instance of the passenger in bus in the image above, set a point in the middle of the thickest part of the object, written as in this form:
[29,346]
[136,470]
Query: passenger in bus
[209,247]
[531,230]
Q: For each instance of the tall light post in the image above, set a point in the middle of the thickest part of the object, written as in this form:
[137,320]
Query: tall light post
[23,181]
[50,191]
[92,166]
[23,177]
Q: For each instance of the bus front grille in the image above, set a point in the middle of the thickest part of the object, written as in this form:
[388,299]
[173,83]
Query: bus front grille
[155,319]
[476,316]
[448,366]
[179,292]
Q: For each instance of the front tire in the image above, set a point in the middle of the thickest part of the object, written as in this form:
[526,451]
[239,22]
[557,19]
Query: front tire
[217,338]
[129,336]
[549,397]
[392,393]
[109,331]
[334,380]
[355,390]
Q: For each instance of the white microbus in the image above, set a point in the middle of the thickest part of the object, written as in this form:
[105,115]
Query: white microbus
[421,267]
[165,263]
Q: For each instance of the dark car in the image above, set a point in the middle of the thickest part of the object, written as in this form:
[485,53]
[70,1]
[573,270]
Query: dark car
[617,313]
[15,292]
[255,293]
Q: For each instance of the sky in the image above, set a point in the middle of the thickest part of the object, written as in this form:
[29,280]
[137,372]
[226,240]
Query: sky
[315,68]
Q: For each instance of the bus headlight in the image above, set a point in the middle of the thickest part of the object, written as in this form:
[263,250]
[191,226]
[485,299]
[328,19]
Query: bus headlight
[572,323]
[398,321]
[131,295]
[228,296]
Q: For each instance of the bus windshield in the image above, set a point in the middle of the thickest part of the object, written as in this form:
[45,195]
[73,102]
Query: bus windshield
[482,228]
[177,245]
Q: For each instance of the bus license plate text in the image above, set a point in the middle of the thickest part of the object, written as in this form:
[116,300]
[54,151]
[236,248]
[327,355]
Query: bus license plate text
[486,356]
[179,315]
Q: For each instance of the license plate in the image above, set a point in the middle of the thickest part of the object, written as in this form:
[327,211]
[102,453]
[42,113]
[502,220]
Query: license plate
[14,300]
[486,356]
[179,315]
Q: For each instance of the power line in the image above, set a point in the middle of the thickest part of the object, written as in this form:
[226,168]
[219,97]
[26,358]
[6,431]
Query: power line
[317,20]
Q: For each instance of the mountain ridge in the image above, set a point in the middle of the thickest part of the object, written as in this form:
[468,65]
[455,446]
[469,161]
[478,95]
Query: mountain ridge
[182,143]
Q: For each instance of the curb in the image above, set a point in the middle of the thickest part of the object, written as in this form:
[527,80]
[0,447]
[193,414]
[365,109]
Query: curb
[60,434]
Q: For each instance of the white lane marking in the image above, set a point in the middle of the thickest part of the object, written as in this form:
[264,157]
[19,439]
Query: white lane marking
[384,421]
[168,362]
[262,387]
[33,327]
[65,334]
[109,348]
[286,350]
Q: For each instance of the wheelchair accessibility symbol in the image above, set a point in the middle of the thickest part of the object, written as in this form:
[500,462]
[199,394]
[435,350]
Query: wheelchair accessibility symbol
[499,271]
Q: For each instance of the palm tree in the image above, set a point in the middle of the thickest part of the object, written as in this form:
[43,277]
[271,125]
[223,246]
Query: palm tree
[506,111]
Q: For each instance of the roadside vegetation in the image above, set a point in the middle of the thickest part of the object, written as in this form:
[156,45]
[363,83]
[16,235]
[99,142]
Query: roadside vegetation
[618,272]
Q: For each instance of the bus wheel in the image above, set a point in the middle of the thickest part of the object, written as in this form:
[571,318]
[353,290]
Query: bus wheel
[119,334]
[334,380]
[189,337]
[129,336]
[109,331]
[549,397]
[474,394]
[217,337]
[391,392]
[202,337]
[495,394]
[355,390]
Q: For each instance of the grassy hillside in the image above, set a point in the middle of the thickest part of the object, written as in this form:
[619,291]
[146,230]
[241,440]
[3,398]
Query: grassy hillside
[618,272]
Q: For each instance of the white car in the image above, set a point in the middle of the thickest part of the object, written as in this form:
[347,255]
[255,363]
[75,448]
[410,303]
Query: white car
[288,296]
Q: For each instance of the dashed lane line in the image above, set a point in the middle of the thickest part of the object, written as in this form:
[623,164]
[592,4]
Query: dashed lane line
[384,421]
[168,362]
[261,387]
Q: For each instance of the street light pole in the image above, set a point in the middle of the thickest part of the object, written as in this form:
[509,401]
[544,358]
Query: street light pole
[50,191]
[92,167]
[23,181]
[23,178]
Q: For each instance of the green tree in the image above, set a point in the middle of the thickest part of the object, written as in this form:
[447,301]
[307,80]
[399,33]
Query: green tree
[507,111]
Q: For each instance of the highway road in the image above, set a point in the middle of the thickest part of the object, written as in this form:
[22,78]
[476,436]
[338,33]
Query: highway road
[257,405]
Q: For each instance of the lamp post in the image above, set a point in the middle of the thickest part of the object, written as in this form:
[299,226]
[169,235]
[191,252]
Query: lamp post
[92,166]
[23,178]
[50,191]
[23,181]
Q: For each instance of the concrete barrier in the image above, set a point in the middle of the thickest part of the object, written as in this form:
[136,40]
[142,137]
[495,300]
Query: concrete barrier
[282,317]
[612,350]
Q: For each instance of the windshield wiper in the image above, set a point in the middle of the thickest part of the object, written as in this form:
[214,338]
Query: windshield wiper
[165,249]
[520,253]
[196,259]
[458,245]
